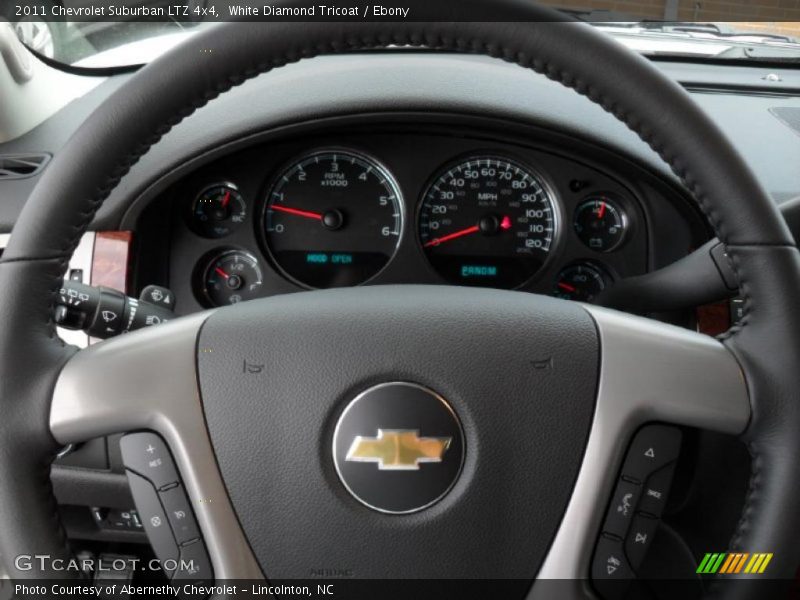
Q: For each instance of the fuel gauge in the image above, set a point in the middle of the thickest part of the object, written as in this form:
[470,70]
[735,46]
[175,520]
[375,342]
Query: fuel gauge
[231,277]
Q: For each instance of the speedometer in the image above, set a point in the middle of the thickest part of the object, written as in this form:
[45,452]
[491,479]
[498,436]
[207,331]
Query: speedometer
[332,219]
[488,221]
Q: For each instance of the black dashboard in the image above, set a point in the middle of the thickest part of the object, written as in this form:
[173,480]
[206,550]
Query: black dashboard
[369,170]
[415,117]
[428,199]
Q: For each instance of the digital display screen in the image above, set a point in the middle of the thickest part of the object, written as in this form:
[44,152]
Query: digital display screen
[468,271]
[323,258]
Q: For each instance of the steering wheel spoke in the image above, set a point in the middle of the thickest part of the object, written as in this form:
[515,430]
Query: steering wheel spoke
[148,381]
[649,372]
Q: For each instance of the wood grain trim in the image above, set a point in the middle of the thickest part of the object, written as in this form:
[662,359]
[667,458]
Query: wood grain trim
[714,319]
[111,259]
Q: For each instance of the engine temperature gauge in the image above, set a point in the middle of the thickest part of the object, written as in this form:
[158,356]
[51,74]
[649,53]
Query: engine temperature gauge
[218,210]
[231,277]
[600,223]
[581,281]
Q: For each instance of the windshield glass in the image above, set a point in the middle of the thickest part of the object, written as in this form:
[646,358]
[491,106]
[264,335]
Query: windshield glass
[102,34]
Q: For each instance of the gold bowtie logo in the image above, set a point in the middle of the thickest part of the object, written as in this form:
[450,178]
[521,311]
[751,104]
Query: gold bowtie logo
[398,449]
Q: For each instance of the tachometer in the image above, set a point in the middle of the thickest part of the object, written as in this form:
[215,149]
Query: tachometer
[488,221]
[332,219]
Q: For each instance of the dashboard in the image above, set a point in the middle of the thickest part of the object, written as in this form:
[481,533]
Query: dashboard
[456,200]
[419,120]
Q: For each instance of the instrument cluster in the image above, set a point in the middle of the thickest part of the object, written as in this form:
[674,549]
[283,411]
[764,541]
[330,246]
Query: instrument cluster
[344,215]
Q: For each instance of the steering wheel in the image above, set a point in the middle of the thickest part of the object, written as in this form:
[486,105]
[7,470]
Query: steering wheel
[539,397]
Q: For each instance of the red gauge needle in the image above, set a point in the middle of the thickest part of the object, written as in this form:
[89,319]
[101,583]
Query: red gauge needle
[602,210]
[505,223]
[226,199]
[567,287]
[452,236]
[221,272]
[296,211]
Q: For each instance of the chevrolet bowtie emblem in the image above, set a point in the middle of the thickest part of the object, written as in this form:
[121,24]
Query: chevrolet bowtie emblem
[398,449]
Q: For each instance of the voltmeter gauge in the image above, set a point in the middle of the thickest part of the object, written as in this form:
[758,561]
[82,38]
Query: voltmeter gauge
[218,210]
[600,223]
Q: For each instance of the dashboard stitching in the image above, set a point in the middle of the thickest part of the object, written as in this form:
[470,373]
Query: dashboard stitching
[61,263]
[744,290]
[752,493]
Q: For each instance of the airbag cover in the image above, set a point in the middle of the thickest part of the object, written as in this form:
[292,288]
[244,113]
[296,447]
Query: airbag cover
[518,370]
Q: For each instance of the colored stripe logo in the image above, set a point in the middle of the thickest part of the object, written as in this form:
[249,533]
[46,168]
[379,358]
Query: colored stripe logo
[732,563]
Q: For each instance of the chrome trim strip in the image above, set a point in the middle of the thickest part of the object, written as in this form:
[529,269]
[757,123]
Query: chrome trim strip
[148,380]
[649,371]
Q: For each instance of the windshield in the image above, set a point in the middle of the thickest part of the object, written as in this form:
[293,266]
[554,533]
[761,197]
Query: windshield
[87,34]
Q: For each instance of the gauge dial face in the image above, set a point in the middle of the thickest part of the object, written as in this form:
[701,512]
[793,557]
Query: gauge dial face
[600,223]
[332,219]
[488,221]
[231,277]
[582,282]
[218,210]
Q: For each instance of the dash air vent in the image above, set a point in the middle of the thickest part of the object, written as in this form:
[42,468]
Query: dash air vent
[18,166]
[789,116]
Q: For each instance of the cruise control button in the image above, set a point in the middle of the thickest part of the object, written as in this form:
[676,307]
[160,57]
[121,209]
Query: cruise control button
[623,503]
[639,539]
[656,490]
[611,573]
[180,515]
[155,521]
[653,447]
[194,564]
[147,454]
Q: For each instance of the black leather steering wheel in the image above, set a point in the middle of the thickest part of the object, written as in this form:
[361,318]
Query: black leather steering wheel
[51,395]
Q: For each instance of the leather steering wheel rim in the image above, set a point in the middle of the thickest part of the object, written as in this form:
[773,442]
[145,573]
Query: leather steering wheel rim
[114,137]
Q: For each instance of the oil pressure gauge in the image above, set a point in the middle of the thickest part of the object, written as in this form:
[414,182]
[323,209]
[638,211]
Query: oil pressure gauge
[218,210]
[600,223]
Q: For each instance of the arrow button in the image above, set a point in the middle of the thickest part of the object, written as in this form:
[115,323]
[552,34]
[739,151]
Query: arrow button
[639,539]
[653,447]
[611,572]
